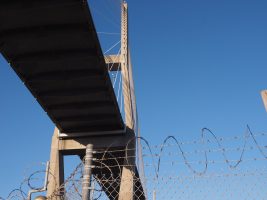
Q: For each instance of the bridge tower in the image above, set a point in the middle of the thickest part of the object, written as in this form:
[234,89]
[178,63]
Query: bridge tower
[125,140]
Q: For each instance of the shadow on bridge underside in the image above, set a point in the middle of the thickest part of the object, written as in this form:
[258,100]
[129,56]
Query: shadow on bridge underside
[53,47]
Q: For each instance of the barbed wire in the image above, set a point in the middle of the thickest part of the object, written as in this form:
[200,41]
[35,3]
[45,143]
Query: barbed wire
[72,185]
[156,157]
[107,161]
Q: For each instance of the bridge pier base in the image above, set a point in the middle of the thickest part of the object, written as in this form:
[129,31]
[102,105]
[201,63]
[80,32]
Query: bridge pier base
[128,175]
[126,170]
[56,169]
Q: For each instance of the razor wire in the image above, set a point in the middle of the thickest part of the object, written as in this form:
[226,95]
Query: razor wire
[171,172]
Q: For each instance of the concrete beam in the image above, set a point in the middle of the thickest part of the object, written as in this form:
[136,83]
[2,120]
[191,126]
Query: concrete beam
[72,146]
[113,62]
[90,134]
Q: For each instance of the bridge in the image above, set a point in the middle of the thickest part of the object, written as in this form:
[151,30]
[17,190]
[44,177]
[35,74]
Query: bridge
[53,47]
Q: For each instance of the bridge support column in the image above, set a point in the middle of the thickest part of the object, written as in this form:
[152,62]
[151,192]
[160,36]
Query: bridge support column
[128,173]
[56,171]
[121,146]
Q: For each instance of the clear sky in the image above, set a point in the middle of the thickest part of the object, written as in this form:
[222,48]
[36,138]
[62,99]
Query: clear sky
[196,64]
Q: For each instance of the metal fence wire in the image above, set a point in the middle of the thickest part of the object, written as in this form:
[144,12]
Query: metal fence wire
[211,169]
[243,184]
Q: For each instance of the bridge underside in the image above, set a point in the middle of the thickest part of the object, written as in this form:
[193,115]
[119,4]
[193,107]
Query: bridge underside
[53,47]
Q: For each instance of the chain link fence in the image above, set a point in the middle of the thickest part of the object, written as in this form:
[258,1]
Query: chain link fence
[212,168]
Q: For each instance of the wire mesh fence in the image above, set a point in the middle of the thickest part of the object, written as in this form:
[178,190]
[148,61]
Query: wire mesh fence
[210,168]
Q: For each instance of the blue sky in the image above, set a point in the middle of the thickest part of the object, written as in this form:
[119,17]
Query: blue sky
[196,64]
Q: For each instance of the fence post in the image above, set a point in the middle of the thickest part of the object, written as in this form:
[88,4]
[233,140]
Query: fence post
[86,185]
[154,194]
[92,191]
